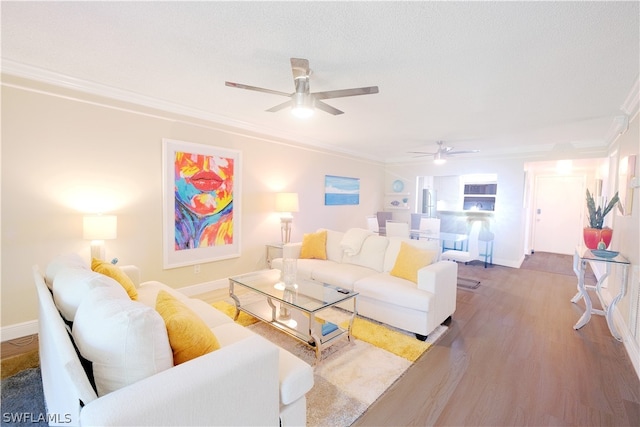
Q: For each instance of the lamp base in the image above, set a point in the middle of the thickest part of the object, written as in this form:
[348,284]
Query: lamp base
[97,249]
[285,229]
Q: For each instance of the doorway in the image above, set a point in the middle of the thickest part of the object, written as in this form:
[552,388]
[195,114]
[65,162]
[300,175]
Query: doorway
[558,213]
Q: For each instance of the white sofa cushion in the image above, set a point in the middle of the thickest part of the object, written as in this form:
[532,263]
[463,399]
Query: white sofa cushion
[353,239]
[71,260]
[126,341]
[72,285]
[295,376]
[148,292]
[342,275]
[397,291]
[371,255]
[304,267]
[334,250]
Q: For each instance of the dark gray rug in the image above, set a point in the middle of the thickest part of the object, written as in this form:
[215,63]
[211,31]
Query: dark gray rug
[23,399]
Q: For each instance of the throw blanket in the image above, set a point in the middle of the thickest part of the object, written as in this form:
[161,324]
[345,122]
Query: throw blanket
[353,239]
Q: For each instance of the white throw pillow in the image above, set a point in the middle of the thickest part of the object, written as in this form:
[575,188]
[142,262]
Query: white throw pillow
[334,250]
[353,239]
[72,285]
[71,260]
[372,253]
[125,340]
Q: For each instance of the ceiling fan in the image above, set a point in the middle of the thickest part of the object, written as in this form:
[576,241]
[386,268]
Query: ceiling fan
[440,156]
[302,101]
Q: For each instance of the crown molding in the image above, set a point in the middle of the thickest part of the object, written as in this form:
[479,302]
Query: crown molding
[631,104]
[29,72]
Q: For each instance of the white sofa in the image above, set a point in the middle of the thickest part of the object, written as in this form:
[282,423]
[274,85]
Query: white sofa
[415,307]
[131,379]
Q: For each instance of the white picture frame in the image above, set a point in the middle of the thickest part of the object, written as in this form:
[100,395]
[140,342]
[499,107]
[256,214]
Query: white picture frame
[201,203]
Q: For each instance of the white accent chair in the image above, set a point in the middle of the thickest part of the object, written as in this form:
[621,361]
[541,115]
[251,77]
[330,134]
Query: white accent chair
[372,224]
[473,251]
[397,229]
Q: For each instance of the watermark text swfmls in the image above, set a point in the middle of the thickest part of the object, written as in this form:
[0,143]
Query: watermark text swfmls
[29,417]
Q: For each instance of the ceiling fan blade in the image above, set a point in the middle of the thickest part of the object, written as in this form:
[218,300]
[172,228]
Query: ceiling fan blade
[462,152]
[257,89]
[421,153]
[280,107]
[299,67]
[327,108]
[346,92]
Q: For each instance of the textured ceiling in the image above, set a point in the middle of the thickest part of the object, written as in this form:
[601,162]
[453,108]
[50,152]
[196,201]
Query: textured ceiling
[503,77]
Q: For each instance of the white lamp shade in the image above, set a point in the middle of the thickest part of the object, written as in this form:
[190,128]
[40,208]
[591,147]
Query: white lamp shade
[100,227]
[286,202]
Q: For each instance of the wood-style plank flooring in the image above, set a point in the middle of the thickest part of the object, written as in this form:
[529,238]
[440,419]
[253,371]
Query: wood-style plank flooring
[512,358]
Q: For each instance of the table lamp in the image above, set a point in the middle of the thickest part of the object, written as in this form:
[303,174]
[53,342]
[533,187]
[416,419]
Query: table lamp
[99,228]
[286,203]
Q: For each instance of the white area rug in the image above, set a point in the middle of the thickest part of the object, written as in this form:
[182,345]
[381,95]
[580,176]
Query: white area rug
[350,376]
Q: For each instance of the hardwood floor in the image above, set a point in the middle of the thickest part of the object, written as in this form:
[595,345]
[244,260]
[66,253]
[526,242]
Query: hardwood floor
[512,358]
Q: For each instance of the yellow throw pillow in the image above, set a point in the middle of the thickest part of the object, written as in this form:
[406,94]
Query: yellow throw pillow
[115,273]
[189,336]
[411,259]
[314,245]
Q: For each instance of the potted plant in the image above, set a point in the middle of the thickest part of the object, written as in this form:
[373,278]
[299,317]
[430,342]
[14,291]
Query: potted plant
[596,233]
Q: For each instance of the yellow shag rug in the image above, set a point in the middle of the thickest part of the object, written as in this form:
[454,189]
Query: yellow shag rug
[384,337]
[230,310]
[398,343]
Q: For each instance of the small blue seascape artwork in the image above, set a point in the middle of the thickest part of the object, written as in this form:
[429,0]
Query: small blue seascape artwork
[341,190]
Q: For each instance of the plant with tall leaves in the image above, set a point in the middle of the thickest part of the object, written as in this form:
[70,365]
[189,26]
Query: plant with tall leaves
[596,215]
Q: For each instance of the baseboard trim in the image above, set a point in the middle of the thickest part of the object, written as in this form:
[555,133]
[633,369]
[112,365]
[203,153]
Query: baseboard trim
[204,287]
[508,262]
[628,340]
[19,330]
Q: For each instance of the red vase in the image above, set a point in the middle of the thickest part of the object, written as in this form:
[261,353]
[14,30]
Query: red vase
[593,236]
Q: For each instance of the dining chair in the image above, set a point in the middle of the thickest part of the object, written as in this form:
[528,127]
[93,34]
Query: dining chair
[397,229]
[472,253]
[372,224]
[430,225]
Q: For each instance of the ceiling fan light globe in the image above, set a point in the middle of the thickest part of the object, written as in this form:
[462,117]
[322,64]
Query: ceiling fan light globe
[438,158]
[302,112]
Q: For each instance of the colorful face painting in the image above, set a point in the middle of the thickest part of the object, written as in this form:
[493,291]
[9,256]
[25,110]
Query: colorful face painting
[203,201]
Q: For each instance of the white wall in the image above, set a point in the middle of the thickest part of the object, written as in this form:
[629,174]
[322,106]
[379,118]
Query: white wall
[64,153]
[626,240]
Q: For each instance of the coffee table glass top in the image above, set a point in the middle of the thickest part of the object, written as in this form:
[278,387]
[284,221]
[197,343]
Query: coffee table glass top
[311,296]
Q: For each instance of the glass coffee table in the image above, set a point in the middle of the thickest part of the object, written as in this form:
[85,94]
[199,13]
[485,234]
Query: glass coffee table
[293,309]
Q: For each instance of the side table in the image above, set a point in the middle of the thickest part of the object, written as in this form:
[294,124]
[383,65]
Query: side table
[274,250]
[581,256]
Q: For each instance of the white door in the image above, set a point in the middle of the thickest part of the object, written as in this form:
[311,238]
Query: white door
[558,213]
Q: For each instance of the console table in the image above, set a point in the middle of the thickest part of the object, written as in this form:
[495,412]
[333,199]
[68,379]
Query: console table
[581,257]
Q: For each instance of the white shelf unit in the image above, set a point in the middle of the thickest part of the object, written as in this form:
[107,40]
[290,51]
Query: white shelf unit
[391,197]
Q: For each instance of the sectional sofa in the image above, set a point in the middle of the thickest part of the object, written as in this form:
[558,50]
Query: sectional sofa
[110,358]
[400,282]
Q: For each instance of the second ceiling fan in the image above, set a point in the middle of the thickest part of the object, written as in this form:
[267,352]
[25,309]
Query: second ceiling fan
[440,156]
[303,101]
